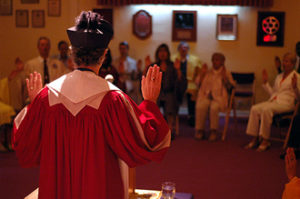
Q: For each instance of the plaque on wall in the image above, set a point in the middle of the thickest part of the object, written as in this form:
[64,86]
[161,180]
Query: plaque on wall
[184,26]
[38,18]
[142,24]
[54,8]
[6,7]
[21,18]
[270,29]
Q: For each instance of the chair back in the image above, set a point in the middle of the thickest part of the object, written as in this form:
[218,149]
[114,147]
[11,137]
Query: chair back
[243,78]
[245,85]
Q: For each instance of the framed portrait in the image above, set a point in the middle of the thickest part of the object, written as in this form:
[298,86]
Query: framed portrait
[54,8]
[22,18]
[142,24]
[184,25]
[106,13]
[38,18]
[30,1]
[6,7]
[227,27]
[270,29]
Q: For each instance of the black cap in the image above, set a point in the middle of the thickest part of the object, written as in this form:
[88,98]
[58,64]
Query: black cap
[90,32]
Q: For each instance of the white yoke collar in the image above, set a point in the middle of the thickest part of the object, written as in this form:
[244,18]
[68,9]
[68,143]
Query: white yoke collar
[77,89]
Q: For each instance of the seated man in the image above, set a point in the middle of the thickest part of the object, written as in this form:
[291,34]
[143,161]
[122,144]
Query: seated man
[282,100]
[214,84]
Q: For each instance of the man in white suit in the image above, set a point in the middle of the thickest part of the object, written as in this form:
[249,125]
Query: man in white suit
[283,95]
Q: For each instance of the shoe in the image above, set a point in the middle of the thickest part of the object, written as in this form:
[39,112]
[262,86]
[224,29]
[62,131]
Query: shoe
[265,145]
[254,143]
[199,135]
[212,136]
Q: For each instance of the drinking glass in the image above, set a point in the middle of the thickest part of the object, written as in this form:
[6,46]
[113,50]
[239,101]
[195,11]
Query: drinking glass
[168,190]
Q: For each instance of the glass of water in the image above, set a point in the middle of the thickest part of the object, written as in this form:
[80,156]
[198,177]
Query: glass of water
[168,190]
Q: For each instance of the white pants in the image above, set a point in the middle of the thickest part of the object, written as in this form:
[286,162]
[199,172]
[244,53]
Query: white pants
[264,113]
[202,107]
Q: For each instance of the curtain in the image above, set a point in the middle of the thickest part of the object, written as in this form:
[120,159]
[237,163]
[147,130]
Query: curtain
[254,3]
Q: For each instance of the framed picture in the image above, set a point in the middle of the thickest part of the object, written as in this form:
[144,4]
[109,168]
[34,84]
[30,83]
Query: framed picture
[106,13]
[270,29]
[227,27]
[6,7]
[38,18]
[142,24]
[21,18]
[184,26]
[54,8]
[29,1]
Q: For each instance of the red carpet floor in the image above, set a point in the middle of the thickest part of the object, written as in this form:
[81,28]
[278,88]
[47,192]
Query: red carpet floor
[208,170]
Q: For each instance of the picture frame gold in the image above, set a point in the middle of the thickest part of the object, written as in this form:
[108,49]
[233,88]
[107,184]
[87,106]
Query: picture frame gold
[227,27]
[38,18]
[22,19]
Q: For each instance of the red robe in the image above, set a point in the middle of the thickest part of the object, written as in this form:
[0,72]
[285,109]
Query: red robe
[78,137]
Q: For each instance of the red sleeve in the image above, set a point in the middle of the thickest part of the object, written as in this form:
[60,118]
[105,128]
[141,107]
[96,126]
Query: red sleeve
[137,134]
[26,136]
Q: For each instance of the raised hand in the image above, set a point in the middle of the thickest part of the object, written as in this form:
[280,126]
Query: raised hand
[147,61]
[223,72]
[177,64]
[151,83]
[139,65]
[204,69]
[290,163]
[34,85]
[264,76]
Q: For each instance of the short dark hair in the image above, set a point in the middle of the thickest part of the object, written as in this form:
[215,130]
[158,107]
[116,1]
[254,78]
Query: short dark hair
[43,38]
[124,43]
[87,57]
[221,55]
[61,43]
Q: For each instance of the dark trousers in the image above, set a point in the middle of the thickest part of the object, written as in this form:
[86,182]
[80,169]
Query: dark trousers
[294,139]
[191,109]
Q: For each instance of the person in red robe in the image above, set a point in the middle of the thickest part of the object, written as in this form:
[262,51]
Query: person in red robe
[80,129]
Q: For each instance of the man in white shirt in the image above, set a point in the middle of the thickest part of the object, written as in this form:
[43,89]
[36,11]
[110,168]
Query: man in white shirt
[130,73]
[49,68]
[283,95]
